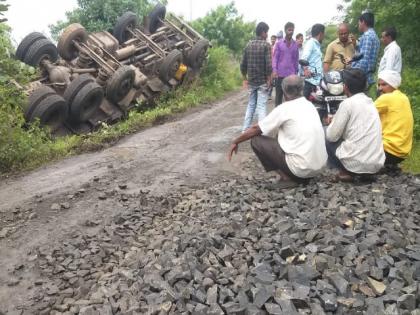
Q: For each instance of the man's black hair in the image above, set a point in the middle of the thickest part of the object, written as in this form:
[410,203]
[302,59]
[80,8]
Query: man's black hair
[262,27]
[299,35]
[289,25]
[391,32]
[317,29]
[368,18]
[355,80]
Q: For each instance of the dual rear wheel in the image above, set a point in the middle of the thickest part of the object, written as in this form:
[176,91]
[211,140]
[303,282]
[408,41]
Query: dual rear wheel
[34,48]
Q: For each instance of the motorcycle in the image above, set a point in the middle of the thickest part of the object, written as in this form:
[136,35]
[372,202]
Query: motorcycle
[330,91]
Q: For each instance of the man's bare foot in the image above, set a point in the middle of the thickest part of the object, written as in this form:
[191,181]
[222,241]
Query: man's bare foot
[283,176]
[343,176]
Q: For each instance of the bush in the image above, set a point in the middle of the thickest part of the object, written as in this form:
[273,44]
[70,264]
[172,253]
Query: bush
[222,70]
[411,87]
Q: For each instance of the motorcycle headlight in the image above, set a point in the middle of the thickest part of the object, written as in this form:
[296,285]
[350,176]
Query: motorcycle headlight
[335,89]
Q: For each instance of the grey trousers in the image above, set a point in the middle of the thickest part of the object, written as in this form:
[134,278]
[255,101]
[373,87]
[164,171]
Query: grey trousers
[272,157]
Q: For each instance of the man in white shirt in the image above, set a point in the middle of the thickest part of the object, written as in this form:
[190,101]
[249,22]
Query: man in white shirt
[299,151]
[391,60]
[354,135]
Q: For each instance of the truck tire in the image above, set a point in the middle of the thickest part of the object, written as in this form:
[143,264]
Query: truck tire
[124,22]
[198,53]
[120,84]
[51,111]
[75,86]
[158,13]
[65,46]
[36,97]
[170,65]
[86,102]
[39,50]
[26,42]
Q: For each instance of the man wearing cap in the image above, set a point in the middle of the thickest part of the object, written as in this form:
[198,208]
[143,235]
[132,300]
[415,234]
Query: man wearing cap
[285,59]
[396,117]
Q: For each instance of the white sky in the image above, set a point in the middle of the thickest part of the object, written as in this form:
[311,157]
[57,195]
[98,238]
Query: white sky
[25,16]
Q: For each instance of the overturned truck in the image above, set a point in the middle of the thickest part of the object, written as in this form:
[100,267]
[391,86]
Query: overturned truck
[90,79]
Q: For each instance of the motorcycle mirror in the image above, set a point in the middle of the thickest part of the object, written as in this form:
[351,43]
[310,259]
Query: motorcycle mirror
[357,57]
[303,63]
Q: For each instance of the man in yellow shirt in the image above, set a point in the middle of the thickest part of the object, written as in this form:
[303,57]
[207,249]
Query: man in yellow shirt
[342,45]
[396,117]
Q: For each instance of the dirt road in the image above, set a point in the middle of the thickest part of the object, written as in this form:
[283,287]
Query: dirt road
[161,223]
[183,152]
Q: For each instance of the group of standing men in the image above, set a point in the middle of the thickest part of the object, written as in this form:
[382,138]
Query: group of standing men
[361,137]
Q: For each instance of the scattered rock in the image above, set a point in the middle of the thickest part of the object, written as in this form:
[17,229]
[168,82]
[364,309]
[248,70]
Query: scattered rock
[55,206]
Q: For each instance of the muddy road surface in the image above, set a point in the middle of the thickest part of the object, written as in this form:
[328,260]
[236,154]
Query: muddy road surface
[186,151]
[161,223]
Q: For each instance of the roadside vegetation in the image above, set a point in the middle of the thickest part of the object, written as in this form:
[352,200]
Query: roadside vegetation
[25,147]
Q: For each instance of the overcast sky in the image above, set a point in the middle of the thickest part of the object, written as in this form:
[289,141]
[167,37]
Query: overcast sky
[25,16]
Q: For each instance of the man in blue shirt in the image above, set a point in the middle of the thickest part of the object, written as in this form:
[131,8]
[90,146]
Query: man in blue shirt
[368,46]
[313,55]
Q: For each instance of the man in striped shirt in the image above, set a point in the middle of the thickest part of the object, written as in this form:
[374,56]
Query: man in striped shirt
[354,135]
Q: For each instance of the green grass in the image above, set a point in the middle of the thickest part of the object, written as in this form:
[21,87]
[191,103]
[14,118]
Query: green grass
[412,164]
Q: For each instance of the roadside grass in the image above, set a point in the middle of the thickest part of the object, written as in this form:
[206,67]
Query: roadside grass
[412,163]
[22,150]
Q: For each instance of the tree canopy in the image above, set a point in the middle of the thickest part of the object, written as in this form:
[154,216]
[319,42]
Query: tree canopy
[223,26]
[99,15]
[403,15]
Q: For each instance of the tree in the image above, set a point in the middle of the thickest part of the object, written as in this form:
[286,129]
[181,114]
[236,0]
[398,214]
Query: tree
[3,8]
[224,27]
[404,15]
[100,15]
[330,35]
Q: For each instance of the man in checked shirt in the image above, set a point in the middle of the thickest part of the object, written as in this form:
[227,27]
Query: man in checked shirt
[256,72]
[368,46]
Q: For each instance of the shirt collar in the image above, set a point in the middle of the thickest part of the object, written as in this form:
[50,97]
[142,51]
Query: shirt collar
[338,41]
[390,45]
[316,41]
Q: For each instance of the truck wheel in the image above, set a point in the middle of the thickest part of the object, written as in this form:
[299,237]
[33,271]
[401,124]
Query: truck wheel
[36,97]
[158,13]
[198,54]
[66,48]
[120,84]
[170,65]
[124,22]
[75,86]
[26,42]
[86,102]
[39,50]
[51,111]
